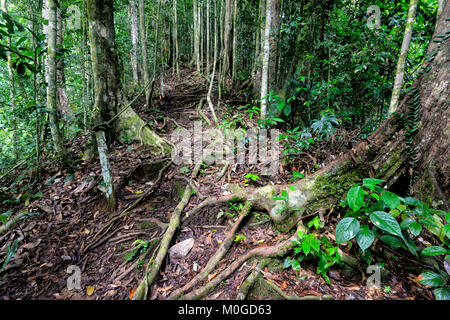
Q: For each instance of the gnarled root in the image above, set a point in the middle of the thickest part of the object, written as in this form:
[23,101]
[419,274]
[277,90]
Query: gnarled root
[152,269]
[214,260]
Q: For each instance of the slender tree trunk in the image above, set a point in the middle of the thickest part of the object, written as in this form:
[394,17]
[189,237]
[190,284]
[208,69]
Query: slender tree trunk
[274,35]
[135,42]
[398,83]
[52,85]
[175,38]
[265,60]
[106,81]
[63,102]
[235,55]
[155,53]
[196,36]
[227,39]
[12,92]
[142,30]
[207,36]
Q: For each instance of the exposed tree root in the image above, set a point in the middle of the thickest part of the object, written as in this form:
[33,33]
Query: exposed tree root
[285,296]
[275,251]
[153,267]
[250,280]
[12,222]
[214,260]
[104,232]
[222,173]
[201,113]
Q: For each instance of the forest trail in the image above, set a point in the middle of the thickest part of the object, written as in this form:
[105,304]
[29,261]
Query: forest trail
[72,228]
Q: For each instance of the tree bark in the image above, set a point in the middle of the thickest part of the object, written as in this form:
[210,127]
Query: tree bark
[175,38]
[106,82]
[274,35]
[398,83]
[52,83]
[265,59]
[135,42]
[142,30]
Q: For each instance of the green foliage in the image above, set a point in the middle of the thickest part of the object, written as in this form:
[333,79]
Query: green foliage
[310,246]
[10,252]
[396,221]
[251,177]
[141,247]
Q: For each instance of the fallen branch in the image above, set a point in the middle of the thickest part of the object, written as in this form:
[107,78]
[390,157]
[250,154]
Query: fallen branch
[250,280]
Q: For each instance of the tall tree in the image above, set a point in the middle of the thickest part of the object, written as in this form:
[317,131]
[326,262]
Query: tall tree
[265,59]
[106,82]
[135,41]
[52,84]
[175,38]
[398,83]
[146,71]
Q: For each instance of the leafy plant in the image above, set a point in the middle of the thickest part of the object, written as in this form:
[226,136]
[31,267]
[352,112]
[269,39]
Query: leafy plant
[309,245]
[142,247]
[324,127]
[251,177]
[374,213]
[10,252]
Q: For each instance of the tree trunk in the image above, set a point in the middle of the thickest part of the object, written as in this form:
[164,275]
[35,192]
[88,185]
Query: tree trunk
[274,35]
[265,60]
[175,38]
[235,31]
[63,102]
[227,39]
[106,81]
[144,53]
[135,42]
[398,83]
[52,84]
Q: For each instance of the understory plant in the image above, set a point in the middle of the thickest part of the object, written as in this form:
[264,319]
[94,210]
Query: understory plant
[312,246]
[397,221]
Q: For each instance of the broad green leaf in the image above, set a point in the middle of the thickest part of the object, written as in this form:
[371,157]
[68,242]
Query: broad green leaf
[433,251]
[393,242]
[315,244]
[415,228]
[447,230]
[365,237]
[386,222]
[432,279]
[355,198]
[390,199]
[306,247]
[346,229]
[442,293]
[371,182]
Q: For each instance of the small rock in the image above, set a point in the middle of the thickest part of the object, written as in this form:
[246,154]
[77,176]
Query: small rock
[181,249]
[195,267]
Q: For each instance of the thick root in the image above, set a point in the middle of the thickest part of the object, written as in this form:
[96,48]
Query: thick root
[153,269]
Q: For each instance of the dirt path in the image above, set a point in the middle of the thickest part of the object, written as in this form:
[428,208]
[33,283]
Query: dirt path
[63,232]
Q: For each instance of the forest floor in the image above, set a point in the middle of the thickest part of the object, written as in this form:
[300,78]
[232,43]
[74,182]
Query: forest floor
[68,211]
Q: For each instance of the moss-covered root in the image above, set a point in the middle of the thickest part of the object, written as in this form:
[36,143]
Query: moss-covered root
[278,250]
[12,222]
[250,280]
[153,269]
[285,296]
[218,255]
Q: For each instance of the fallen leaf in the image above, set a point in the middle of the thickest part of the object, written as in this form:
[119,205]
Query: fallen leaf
[131,294]
[90,290]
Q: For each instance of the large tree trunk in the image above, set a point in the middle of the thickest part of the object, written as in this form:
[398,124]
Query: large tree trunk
[422,167]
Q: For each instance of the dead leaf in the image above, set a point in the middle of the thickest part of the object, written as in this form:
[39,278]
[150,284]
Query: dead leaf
[131,293]
[90,290]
